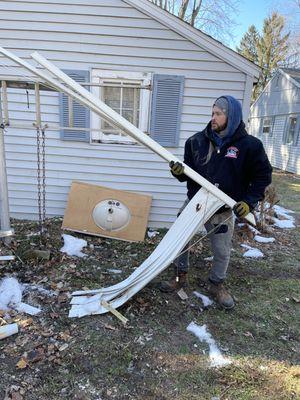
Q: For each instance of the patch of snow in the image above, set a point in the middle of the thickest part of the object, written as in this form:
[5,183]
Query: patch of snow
[152,234]
[10,293]
[283,212]
[284,223]
[11,296]
[262,239]
[252,252]
[215,355]
[205,300]
[246,246]
[288,220]
[252,229]
[73,246]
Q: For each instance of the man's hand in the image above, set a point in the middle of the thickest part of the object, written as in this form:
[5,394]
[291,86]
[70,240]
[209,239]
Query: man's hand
[176,168]
[241,209]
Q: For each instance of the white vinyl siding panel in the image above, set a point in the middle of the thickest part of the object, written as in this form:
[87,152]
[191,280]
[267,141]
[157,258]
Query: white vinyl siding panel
[109,35]
[280,99]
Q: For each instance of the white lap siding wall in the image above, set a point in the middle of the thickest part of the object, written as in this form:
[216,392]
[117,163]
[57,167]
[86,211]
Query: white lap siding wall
[109,35]
[280,100]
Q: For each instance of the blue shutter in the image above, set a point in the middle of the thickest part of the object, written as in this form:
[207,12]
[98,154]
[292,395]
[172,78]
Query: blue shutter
[81,115]
[166,109]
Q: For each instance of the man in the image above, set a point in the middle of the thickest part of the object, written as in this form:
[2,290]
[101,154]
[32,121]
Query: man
[226,155]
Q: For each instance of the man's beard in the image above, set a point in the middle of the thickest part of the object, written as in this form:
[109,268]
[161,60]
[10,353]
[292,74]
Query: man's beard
[220,128]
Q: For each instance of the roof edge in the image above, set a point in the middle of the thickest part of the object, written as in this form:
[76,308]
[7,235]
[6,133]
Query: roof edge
[196,36]
[289,77]
[278,71]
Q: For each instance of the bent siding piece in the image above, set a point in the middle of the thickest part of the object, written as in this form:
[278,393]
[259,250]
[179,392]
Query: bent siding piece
[184,228]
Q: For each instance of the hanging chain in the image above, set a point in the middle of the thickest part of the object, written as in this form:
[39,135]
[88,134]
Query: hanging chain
[43,176]
[38,155]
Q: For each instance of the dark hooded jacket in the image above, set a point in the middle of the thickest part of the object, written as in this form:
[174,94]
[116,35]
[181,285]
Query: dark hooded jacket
[238,164]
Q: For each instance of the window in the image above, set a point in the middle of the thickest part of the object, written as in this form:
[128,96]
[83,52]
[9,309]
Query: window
[292,131]
[128,94]
[267,127]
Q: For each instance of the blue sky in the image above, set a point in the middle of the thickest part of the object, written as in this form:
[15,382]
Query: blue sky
[251,12]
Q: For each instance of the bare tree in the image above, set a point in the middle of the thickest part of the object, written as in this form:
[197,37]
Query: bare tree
[195,12]
[183,8]
[214,17]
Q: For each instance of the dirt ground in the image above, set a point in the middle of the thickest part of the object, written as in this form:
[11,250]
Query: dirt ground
[154,356]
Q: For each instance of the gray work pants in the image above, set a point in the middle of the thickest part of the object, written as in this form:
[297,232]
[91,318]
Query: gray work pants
[220,240]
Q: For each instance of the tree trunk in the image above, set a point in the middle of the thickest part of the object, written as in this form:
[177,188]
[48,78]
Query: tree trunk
[196,9]
[183,8]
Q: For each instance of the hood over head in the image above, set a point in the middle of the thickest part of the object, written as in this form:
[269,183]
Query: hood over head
[233,110]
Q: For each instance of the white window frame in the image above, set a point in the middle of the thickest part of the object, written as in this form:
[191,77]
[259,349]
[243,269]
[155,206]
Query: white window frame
[269,126]
[142,79]
[296,131]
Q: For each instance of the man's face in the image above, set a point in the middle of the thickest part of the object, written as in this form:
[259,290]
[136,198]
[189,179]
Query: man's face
[218,119]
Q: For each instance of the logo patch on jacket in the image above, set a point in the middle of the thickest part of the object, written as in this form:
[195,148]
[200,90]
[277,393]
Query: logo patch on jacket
[232,152]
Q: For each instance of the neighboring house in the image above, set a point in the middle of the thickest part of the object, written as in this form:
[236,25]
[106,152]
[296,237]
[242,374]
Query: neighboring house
[275,119]
[159,72]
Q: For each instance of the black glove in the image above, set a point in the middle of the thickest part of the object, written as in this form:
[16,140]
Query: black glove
[241,209]
[177,168]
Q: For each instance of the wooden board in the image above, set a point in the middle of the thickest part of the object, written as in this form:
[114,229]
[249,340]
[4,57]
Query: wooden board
[83,198]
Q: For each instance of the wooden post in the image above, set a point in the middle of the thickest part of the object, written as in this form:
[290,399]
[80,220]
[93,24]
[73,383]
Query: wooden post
[4,206]
[37,105]
[70,108]
[5,104]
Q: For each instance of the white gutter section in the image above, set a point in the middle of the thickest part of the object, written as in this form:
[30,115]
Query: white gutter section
[133,131]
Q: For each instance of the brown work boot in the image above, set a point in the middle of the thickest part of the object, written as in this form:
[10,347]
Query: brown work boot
[221,295]
[177,282]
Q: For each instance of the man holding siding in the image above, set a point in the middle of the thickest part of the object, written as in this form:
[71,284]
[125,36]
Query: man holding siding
[226,155]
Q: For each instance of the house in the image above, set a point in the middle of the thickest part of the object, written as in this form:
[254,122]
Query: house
[275,119]
[158,71]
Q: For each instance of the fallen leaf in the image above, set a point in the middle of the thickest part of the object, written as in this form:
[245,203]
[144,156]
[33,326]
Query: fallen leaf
[16,396]
[22,363]
[46,334]
[112,328]
[248,334]
[36,355]
[62,298]
[65,336]
[25,322]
